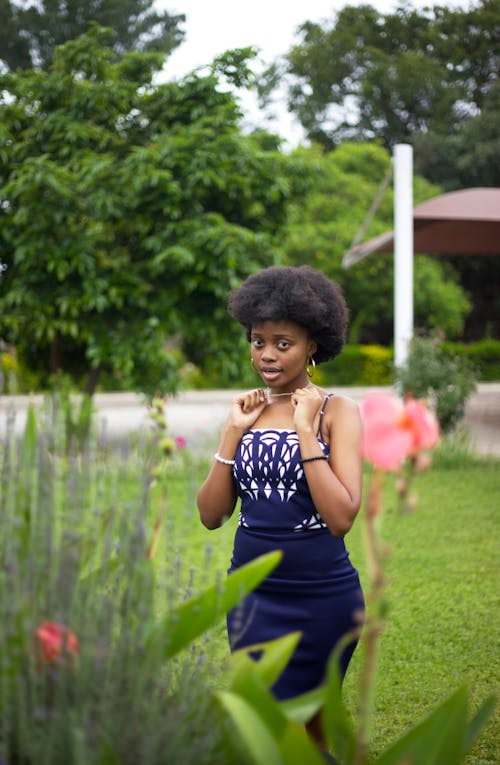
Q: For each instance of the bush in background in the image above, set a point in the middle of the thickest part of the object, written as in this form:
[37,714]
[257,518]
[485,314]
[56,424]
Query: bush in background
[484,355]
[359,365]
[445,379]
[356,365]
[15,377]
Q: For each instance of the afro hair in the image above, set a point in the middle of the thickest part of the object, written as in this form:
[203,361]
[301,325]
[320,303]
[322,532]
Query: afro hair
[294,293]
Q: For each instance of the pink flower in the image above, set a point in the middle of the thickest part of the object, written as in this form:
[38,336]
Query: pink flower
[394,430]
[55,641]
[180,442]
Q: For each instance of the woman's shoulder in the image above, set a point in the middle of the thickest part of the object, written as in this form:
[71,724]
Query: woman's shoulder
[340,406]
[338,400]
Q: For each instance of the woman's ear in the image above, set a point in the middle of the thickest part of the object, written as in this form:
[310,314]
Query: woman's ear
[312,348]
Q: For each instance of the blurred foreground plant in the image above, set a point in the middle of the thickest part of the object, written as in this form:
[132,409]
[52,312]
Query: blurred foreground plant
[93,661]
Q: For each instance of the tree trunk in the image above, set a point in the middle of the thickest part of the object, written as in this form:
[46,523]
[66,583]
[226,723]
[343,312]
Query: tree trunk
[92,380]
[55,356]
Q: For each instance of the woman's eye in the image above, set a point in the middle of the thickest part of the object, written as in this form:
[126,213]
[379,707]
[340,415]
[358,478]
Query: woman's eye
[257,342]
[282,345]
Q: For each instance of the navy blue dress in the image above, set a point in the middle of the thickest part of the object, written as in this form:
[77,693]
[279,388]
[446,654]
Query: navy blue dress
[315,589]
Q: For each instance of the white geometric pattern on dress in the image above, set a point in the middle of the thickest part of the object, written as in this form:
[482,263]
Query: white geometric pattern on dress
[242,521]
[277,469]
[314,522]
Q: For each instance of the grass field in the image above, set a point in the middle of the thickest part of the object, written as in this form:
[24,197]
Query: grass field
[442,569]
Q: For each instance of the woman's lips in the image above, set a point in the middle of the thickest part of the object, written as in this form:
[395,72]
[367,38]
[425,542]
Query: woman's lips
[270,374]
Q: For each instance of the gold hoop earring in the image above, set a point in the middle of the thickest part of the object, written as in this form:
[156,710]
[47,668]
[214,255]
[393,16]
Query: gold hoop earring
[310,372]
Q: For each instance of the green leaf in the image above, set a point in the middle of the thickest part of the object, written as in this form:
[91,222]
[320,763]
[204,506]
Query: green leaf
[262,745]
[336,721]
[437,740]
[290,739]
[298,749]
[479,720]
[302,708]
[250,686]
[29,440]
[200,613]
[275,656]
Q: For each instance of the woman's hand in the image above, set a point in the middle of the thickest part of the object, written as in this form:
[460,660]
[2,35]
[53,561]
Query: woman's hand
[306,403]
[247,408]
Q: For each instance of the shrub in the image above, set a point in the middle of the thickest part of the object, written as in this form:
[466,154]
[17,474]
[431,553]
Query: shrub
[484,355]
[445,379]
[359,365]
[14,376]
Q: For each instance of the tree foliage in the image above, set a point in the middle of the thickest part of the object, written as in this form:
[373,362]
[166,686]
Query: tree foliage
[468,157]
[127,212]
[30,32]
[396,77]
[323,225]
[427,77]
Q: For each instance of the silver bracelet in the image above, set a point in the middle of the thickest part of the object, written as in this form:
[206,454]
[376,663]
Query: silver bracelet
[222,460]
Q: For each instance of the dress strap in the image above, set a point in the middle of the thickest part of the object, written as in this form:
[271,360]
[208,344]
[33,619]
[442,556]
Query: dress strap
[322,413]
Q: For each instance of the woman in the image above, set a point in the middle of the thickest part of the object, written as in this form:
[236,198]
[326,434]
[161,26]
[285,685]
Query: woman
[292,455]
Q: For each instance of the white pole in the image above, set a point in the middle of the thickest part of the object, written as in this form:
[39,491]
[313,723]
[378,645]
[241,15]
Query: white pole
[403,251]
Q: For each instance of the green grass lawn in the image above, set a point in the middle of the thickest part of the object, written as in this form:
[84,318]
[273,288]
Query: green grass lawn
[442,570]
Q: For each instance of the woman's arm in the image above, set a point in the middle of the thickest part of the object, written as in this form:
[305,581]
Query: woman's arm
[335,485]
[217,496]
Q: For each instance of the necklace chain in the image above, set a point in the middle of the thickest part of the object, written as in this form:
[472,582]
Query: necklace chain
[270,394]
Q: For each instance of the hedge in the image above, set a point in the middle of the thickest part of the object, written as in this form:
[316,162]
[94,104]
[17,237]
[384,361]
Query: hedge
[356,365]
[373,364]
[484,355]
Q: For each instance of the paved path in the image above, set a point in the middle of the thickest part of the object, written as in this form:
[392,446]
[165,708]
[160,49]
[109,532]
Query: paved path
[197,415]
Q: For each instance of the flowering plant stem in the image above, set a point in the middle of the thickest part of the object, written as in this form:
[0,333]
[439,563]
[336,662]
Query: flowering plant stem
[375,613]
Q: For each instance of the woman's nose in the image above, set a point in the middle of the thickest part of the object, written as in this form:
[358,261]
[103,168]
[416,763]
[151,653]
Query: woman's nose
[268,353]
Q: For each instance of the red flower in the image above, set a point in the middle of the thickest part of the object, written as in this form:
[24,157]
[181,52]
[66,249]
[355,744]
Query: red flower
[180,442]
[56,641]
[394,430]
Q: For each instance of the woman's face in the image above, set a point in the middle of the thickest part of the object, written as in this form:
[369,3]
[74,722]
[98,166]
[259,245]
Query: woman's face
[280,352]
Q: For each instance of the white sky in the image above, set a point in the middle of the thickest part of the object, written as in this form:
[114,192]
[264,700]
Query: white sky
[213,26]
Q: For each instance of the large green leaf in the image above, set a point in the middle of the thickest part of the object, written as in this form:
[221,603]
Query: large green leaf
[275,655]
[439,739]
[336,721]
[197,615]
[290,739]
[298,749]
[250,686]
[478,722]
[302,708]
[261,743]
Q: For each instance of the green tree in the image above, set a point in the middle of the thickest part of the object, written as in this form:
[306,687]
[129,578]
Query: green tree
[127,212]
[427,77]
[30,32]
[470,156]
[323,225]
[368,75]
